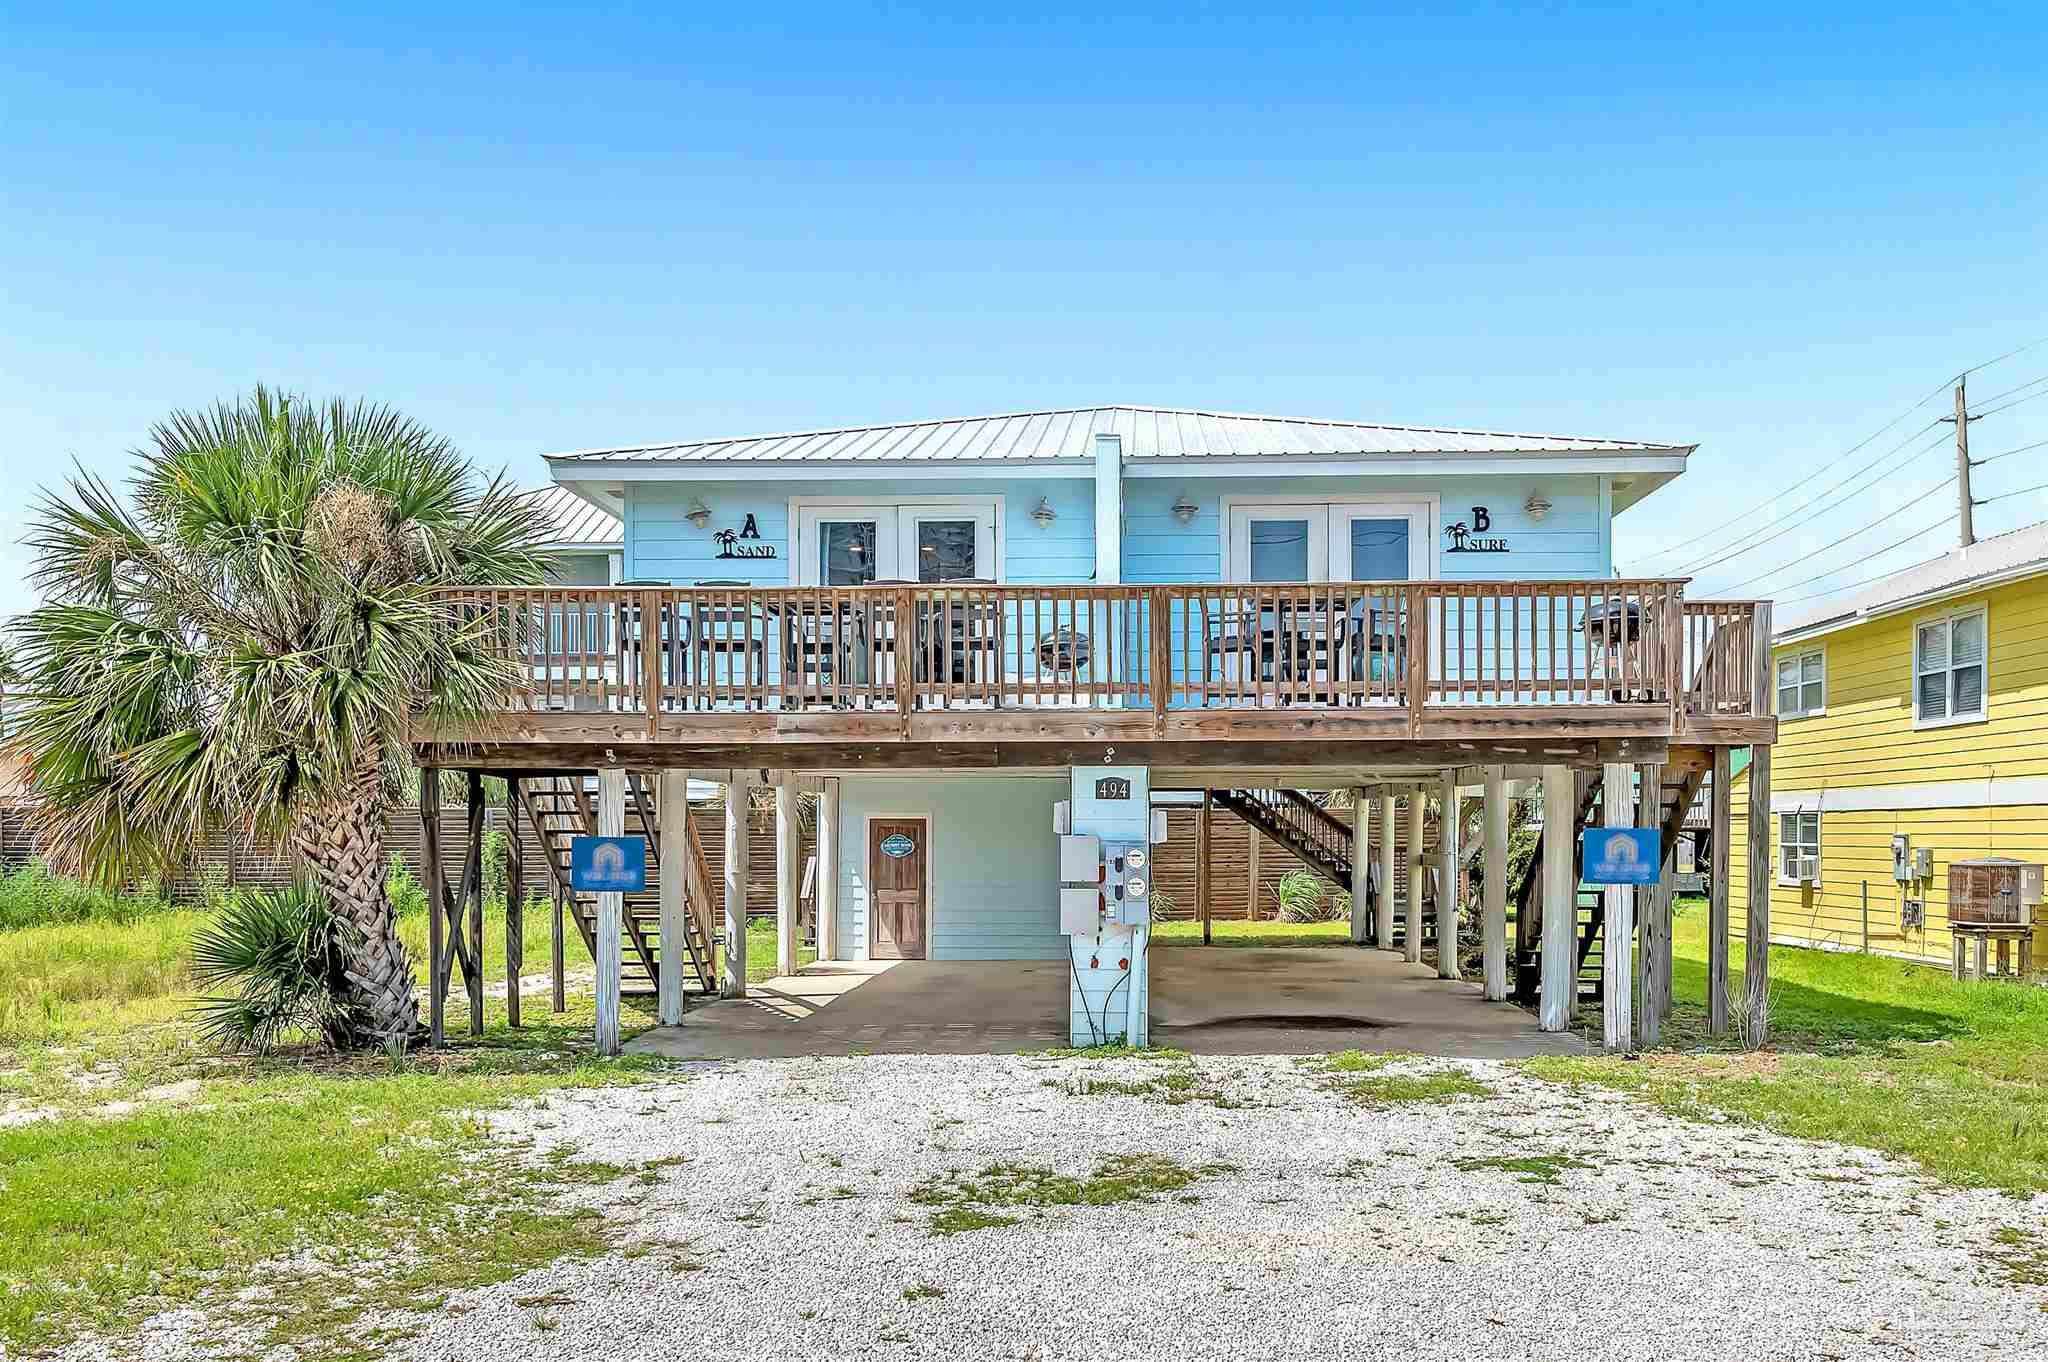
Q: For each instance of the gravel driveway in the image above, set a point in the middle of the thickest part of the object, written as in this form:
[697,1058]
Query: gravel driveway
[800,1223]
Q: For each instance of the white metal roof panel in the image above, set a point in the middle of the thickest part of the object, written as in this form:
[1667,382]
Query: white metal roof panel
[2004,557]
[574,520]
[1069,433]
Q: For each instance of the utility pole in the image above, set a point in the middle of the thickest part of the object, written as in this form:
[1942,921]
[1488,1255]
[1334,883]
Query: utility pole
[1962,418]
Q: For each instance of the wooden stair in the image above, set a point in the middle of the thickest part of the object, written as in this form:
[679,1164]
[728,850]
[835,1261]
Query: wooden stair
[1320,840]
[1674,799]
[1317,838]
[561,809]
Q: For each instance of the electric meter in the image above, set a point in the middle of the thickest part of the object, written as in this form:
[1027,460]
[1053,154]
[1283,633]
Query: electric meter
[1134,860]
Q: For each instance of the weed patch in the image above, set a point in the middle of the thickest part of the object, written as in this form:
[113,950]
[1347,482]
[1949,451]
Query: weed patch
[961,1200]
[1361,1076]
[1545,1170]
[2021,1257]
[1180,1085]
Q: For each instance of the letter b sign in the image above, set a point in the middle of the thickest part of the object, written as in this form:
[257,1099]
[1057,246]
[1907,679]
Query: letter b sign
[1481,520]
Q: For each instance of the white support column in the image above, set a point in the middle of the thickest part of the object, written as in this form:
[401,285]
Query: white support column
[1384,927]
[1361,861]
[828,869]
[732,979]
[786,872]
[1494,893]
[1418,872]
[1109,510]
[672,808]
[1560,946]
[1618,809]
[611,913]
[1447,881]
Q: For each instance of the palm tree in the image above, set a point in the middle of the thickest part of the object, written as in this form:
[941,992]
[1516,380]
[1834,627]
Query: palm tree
[250,638]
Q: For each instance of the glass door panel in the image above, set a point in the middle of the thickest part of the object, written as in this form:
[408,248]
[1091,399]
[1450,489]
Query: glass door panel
[848,552]
[1278,543]
[1378,549]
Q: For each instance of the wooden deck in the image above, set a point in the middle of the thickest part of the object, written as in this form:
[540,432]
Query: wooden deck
[987,676]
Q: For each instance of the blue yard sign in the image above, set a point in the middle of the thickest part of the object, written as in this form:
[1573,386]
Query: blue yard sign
[1623,855]
[608,865]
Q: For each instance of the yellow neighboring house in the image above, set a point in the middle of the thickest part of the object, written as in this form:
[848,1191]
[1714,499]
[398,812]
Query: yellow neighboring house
[1916,709]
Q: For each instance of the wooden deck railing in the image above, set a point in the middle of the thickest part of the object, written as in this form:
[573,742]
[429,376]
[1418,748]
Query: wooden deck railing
[1344,645]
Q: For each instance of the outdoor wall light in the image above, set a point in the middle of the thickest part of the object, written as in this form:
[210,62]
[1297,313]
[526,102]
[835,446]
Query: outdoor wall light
[699,514]
[1537,506]
[1045,514]
[1184,510]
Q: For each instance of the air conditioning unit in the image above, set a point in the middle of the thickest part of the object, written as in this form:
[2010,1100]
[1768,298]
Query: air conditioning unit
[1989,892]
[1809,869]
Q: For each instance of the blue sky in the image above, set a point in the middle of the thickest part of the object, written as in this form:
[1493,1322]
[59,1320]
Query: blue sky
[538,230]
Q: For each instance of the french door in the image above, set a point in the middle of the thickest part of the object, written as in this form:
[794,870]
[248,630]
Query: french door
[853,545]
[1389,541]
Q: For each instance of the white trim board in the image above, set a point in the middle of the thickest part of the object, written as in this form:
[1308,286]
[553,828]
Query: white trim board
[1995,792]
[568,470]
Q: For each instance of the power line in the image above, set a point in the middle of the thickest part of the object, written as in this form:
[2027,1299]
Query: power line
[2030,345]
[1846,454]
[2037,487]
[2030,383]
[1754,545]
[1993,411]
[1850,452]
[2006,453]
[1901,509]
[1836,590]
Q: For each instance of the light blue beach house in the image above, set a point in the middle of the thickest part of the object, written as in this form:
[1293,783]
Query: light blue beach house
[946,629]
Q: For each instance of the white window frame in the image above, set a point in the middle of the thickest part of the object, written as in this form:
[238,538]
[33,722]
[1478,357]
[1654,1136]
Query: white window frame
[896,520]
[1786,845]
[1800,659]
[1914,672]
[1330,530]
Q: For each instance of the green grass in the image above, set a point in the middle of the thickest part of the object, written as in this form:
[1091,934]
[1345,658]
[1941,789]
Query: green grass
[352,1160]
[1866,1051]
[1360,1075]
[1228,932]
[966,1202]
[380,1171]
[1541,1170]
[31,896]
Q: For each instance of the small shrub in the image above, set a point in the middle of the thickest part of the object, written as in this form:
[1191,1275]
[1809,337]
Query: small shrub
[279,957]
[1303,898]
[408,895]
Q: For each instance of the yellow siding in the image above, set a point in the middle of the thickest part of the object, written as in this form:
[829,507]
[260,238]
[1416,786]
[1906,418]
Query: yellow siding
[1866,740]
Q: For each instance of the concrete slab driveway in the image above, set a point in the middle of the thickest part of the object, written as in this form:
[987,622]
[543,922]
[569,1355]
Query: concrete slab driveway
[1218,1000]
[1313,999]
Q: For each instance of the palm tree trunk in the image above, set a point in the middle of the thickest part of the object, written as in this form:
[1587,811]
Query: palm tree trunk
[342,844]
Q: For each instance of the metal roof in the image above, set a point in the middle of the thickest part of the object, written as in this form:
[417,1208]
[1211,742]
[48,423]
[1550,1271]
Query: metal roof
[575,521]
[1069,433]
[2001,558]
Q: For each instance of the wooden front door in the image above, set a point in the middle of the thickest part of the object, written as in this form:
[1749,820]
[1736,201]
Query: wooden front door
[897,880]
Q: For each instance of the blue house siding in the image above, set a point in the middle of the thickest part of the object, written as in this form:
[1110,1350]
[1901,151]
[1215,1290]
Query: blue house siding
[994,891]
[1573,540]
[663,546]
